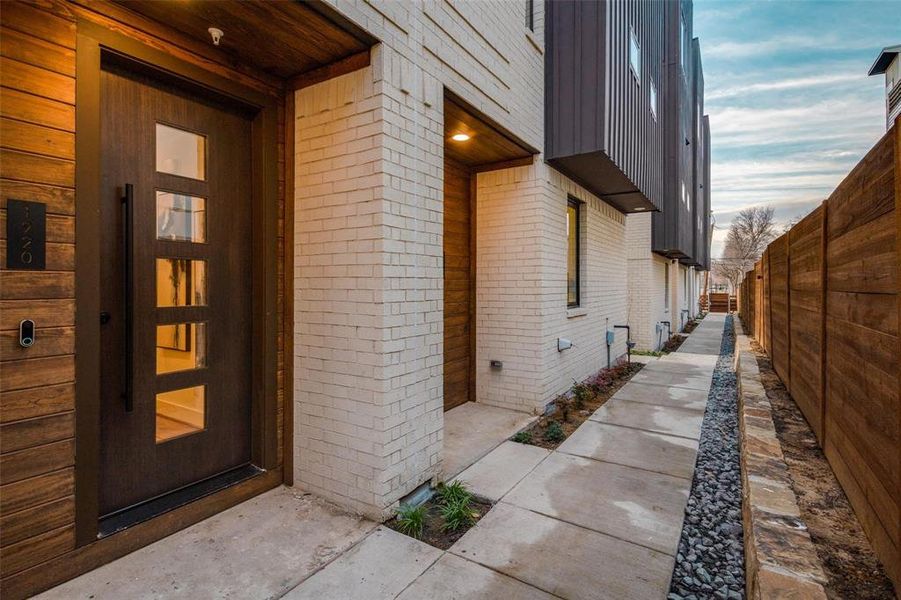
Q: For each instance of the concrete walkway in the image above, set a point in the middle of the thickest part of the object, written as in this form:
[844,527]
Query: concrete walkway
[600,517]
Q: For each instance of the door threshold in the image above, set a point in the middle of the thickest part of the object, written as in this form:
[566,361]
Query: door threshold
[149,509]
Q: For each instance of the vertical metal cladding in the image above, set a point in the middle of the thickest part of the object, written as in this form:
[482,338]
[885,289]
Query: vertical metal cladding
[677,226]
[698,156]
[600,127]
[634,132]
[705,249]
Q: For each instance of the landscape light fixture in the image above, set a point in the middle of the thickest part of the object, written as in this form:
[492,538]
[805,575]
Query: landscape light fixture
[460,137]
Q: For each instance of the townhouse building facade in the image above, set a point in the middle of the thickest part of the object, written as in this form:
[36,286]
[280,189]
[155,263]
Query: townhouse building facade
[274,243]
[669,250]
[888,65]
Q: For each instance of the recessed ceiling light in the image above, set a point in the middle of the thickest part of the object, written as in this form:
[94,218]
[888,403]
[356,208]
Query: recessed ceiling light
[639,208]
[460,137]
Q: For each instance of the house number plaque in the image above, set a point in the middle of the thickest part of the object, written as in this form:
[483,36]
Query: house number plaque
[26,233]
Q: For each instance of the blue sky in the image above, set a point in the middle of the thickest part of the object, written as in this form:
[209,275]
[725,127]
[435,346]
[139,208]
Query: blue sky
[791,107]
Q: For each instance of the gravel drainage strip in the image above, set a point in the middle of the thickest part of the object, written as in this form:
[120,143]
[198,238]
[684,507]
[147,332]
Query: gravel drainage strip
[710,560]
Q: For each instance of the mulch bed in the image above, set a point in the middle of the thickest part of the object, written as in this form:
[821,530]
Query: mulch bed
[851,568]
[673,343]
[432,529]
[569,416]
[690,326]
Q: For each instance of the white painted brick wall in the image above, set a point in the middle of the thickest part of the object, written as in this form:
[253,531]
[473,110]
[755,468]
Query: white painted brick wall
[646,285]
[368,246]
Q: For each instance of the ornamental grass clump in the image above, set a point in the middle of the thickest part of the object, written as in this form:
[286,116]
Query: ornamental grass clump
[457,514]
[411,519]
[456,491]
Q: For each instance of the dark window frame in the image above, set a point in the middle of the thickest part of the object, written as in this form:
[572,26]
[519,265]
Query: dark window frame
[530,15]
[576,204]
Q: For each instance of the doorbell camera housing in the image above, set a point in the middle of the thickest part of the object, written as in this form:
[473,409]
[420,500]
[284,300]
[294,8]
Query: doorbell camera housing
[26,333]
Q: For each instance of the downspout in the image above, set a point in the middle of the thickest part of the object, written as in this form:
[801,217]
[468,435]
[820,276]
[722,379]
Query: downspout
[669,329]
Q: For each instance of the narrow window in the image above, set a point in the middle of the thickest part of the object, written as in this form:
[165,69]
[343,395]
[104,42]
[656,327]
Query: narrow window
[634,55]
[572,253]
[682,56]
[666,287]
[653,99]
[530,14]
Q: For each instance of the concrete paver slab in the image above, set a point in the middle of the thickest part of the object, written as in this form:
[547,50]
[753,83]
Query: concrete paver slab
[650,417]
[502,468]
[670,366]
[258,549]
[564,559]
[472,430]
[695,382]
[707,360]
[662,395]
[455,578]
[634,448]
[638,506]
[381,566]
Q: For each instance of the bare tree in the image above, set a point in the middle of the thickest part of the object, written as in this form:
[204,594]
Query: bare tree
[749,234]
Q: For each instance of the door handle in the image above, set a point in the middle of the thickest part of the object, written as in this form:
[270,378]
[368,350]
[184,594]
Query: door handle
[127,281]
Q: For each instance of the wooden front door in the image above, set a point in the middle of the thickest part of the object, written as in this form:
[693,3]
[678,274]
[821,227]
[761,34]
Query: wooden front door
[175,289]
[459,286]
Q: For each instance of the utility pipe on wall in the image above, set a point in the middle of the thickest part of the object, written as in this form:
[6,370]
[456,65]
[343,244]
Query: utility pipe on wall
[629,342]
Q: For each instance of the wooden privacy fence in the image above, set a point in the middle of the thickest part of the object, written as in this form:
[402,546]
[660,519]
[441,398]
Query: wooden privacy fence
[823,302]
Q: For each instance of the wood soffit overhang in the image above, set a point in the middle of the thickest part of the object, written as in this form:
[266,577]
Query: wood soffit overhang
[489,146]
[298,43]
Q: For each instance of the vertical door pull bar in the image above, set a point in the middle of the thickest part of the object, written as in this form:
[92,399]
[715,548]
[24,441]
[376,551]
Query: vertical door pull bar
[127,281]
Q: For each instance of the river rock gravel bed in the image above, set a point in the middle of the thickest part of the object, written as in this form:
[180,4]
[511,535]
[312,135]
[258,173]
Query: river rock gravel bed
[710,562]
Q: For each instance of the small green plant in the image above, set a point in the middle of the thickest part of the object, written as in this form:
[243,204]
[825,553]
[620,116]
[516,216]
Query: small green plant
[582,393]
[457,514]
[554,432]
[522,437]
[449,493]
[410,520]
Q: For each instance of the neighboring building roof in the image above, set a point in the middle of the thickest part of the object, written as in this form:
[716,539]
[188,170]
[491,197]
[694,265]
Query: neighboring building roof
[884,59]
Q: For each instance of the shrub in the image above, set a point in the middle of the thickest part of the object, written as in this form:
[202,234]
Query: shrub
[582,393]
[448,493]
[523,437]
[563,405]
[457,514]
[554,432]
[410,520]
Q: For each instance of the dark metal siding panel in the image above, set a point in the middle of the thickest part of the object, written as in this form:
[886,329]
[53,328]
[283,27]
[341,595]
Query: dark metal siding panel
[594,106]
[707,195]
[634,139]
[672,226]
[574,99]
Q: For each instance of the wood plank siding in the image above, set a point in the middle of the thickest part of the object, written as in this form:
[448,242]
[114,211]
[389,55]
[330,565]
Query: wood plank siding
[37,394]
[600,127]
[38,391]
[458,284]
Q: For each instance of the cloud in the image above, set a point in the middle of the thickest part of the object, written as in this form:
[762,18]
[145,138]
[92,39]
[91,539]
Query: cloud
[795,83]
[785,43]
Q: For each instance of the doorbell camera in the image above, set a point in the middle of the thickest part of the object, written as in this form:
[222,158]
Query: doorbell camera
[26,333]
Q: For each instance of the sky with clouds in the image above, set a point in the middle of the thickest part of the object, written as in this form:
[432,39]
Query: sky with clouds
[791,107]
